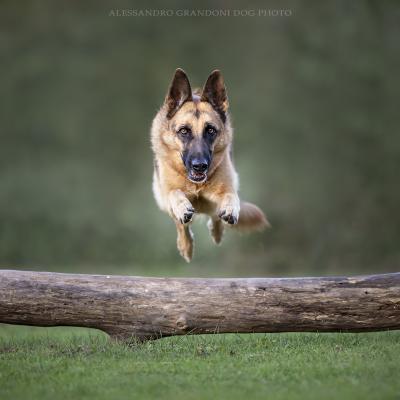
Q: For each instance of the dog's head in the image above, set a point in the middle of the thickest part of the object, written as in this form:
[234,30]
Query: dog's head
[197,124]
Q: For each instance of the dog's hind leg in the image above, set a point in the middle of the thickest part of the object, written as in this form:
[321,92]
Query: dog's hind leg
[184,241]
[216,227]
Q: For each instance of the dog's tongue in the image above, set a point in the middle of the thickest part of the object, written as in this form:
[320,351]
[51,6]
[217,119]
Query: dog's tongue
[198,174]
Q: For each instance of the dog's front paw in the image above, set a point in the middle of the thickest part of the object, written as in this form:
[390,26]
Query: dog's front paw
[229,214]
[184,212]
[187,215]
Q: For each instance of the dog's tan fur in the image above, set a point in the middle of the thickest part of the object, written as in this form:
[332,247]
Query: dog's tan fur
[175,194]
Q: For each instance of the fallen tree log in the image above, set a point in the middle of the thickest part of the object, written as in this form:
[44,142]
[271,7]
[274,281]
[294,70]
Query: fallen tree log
[150,308]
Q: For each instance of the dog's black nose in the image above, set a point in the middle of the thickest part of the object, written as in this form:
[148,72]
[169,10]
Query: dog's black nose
[199,165]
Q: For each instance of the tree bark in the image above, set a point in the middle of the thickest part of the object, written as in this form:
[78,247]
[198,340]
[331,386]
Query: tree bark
[150,308]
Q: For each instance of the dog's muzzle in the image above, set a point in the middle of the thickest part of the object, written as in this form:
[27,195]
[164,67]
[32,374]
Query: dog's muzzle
[198,170]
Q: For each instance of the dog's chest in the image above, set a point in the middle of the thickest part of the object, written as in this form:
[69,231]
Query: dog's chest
[195,190]
[197,195]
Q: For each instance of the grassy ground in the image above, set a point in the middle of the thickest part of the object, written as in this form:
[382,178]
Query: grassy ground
[59,363]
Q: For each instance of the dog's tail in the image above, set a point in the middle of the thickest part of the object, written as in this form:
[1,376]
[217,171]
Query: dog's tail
[251,218]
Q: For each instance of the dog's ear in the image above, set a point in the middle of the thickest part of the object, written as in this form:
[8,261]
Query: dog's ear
[178,93]
[214,92]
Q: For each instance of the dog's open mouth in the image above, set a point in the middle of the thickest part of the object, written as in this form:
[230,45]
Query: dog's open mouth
[197,177]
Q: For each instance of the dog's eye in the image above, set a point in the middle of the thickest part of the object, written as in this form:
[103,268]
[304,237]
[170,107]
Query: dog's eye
[184,131]
[211,131]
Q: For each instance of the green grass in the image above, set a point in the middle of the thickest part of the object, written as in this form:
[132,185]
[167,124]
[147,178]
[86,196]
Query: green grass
[57,363]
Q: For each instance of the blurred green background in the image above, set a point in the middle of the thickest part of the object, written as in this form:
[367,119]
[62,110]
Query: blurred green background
[314,101]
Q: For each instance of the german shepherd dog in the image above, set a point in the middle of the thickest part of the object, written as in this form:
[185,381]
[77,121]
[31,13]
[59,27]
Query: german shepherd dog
[191,138]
